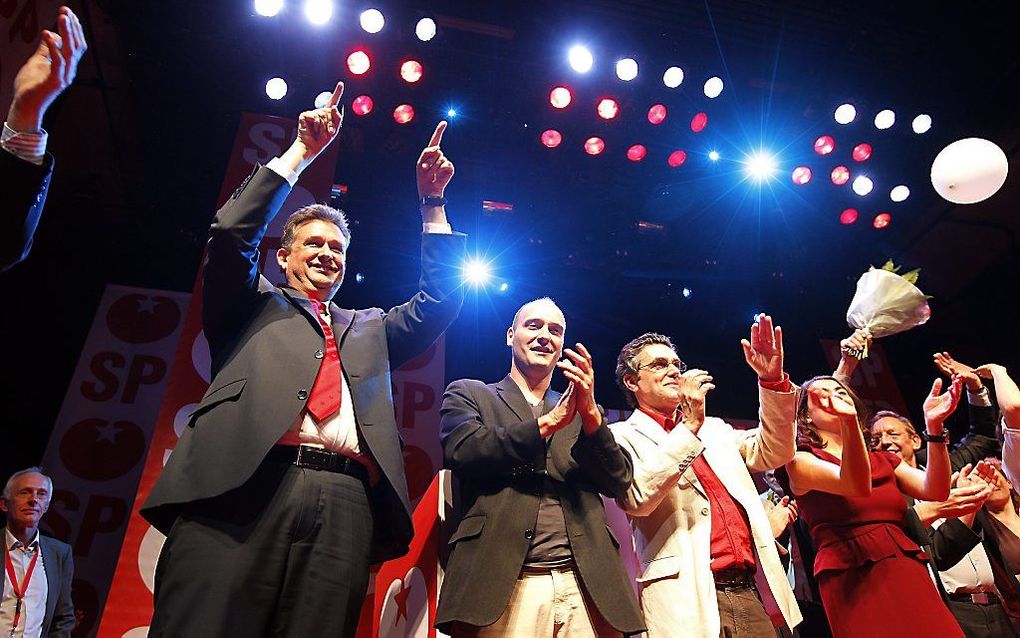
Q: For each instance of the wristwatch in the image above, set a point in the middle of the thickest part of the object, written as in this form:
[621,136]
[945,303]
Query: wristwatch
[432,200]
[942,437]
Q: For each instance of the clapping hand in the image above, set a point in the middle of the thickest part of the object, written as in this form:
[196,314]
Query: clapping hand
[49,71]
[578,369]
[764,351]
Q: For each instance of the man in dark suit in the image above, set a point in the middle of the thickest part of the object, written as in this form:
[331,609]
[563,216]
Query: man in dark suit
[25,167]
[37,602]
[289,480]
[532,554]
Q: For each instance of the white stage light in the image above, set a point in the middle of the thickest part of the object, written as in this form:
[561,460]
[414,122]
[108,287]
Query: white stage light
[714,156]
[760,166]
[626,69]
[580,58]
[372,20]
[885,119]
[268,8]
[318,11]
[921,124]
[713,87]
[862,185]
[425,29]
[845,113]
[899,193]
[322,98]
[476,272]
[673,77]
[276,88]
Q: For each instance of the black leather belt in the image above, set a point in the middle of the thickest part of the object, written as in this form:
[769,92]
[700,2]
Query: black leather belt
[316,458]
[977,598]
[733,579]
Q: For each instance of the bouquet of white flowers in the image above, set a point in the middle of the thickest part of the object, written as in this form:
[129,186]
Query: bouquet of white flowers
[887,303]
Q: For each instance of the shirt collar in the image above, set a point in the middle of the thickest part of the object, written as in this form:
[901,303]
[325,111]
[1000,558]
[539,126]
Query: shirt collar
[12,540]
[665,423]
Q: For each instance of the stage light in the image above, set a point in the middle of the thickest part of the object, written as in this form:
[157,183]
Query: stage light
[840,175]
[687,292]
[451,113]
[801,175]
[921,124]
[637,153]
[673,77]
[594,145]
[268,8]
[425,29]
[318,11]
[676,158]
[845,113]
[608,108]
[848,216]
[580,58]
[899,193]
[825,145]
[885,119]
[551,138]
[276,88]
[626,69]
[322,99]
[861,152]
[372,20]
[359,278]
[714,156]
[403,114]
[882,220]
[862,185]
[504,287]
[699,122]
[358,62]
[476,272]
[713,87]
[657,114]
[560,97]
[760,166]
[411,71]
[362,105]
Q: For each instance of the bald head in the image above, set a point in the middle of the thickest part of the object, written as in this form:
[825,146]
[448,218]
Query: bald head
[536,338]
[540,304]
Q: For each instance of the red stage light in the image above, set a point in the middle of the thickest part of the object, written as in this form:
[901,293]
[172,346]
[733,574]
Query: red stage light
[594,145]
[882,220]
[801,175]
[699,122]
[358,62]
[657,113]
[861,152]
[676,159]
[825,145]
[560,97]
[848,216]
[411,71]
[636,153]
[403,113]
[840,175]
[608,108]
[551,138]
[362,105]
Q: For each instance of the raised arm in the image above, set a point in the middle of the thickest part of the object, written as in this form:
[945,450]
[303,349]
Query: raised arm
[980,441]
[852,477]
[1008,397]
[773,443]
[859,341]
[413,326]
[932,483]
[230,276]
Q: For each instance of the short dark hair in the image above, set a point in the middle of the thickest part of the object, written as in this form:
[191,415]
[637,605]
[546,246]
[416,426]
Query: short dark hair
[807,435]
[625,362]
[308,213]
[881,414]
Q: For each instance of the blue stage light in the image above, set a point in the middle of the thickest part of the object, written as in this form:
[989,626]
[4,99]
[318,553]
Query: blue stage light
[476,272]
[714,156]
[760,166]
[451,113]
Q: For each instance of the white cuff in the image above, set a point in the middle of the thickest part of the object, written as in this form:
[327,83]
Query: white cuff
[979,398]
[277,166]
[436,228]
[27,145]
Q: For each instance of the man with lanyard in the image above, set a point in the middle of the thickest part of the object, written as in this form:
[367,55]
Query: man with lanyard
[36,598]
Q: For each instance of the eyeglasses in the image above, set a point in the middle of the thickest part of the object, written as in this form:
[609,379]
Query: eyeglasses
[662,364]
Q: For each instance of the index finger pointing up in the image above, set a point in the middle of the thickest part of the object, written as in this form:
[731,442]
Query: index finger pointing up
[337,94]
[437,137]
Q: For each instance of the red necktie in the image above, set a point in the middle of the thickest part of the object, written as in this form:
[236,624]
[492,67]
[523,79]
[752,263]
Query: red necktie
[324,401]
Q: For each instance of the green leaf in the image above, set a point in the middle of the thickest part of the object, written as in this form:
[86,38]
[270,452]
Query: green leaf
[912,276]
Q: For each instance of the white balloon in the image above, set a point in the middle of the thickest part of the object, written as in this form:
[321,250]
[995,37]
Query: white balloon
[969,170]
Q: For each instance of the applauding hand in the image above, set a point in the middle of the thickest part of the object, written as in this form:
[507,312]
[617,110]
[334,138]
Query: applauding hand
[939,405]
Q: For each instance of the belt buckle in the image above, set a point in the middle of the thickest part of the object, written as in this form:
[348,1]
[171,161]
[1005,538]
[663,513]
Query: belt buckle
[313,457]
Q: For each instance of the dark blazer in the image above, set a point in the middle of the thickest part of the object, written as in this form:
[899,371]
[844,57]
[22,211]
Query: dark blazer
[266,348]
[1005,579]
[59,564]
[491,442]
[24,186]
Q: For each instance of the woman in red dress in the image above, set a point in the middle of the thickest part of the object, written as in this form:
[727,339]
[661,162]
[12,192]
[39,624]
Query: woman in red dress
[868,571]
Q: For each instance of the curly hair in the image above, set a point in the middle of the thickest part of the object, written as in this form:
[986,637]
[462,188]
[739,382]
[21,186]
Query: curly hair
[807,434]
[625,361]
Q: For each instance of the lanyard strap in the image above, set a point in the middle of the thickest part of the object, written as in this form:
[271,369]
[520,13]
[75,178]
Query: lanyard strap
[19,590]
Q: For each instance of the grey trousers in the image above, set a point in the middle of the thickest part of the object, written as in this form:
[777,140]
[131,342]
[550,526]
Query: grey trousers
[285,554]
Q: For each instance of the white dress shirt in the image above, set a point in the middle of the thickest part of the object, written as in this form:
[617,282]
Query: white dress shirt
[971,575]
[33,607]
[27,145]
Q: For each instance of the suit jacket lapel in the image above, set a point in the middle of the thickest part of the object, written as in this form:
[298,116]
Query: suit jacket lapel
[647,427]
[514,399]
[49,559]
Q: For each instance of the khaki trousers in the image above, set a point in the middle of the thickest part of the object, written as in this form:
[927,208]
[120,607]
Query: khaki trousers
[544,605]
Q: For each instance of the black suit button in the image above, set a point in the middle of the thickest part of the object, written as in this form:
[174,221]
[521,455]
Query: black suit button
[529,534]
[318,354]
[302,394]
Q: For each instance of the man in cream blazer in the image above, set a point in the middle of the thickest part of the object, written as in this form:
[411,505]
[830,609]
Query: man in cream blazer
[706,547]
